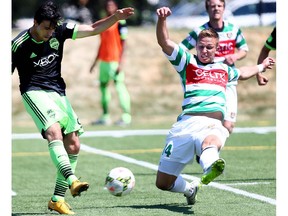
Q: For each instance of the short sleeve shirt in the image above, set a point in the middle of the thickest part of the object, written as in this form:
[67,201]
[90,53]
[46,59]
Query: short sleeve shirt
[39,63]
[271,40]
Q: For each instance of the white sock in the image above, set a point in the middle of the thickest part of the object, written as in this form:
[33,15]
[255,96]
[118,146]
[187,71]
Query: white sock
[181,186]
[208,157]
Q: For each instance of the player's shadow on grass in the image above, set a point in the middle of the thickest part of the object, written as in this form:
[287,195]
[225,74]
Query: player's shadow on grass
[173,207]
[35,213]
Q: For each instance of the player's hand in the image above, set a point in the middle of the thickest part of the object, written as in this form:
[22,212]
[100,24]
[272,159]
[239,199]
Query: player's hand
[124,13]
[163,12]
[261,79]
[230,59]
[268,63]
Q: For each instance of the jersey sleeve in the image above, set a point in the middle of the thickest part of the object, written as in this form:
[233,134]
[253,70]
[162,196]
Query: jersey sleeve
[241,42]
[189,42]
[12,61]
[179,58]
[16,45]
[233,73]
[271,40]
[69,30]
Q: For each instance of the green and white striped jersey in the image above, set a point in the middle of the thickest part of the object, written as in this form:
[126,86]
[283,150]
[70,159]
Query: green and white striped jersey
[230,39]
[204,85]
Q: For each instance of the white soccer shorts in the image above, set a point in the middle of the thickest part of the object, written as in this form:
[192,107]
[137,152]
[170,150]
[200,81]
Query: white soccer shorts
[184,140]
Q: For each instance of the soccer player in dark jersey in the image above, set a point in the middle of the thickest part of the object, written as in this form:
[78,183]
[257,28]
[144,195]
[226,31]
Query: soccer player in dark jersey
[37,54]
[270,44]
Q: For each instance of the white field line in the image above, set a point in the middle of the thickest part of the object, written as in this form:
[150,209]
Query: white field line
[123,133]
[188,177]
[248,183]
[237,191]
[153,166]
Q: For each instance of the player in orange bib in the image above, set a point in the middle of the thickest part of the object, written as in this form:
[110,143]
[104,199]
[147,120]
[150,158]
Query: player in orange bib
[109,55]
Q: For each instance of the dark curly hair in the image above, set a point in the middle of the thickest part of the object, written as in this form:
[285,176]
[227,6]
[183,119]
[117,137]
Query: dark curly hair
[48,11]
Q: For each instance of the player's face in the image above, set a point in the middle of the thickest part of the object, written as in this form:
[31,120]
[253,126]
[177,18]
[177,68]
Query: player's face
[206,48]
[44,30]
[215,9]
[111,7]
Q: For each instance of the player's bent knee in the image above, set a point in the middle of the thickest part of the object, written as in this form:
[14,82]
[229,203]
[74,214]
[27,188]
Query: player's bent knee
[162,185]
[164,181]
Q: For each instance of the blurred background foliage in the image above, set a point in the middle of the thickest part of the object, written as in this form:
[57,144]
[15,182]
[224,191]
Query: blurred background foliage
[143,8]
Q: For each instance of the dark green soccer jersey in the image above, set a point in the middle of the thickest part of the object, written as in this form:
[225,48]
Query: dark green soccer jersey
[271,40]
[39,63]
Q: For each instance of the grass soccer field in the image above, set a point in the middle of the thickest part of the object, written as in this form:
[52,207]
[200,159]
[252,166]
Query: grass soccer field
[247,187]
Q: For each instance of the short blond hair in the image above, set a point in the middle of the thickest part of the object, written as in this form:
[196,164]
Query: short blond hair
[210,33]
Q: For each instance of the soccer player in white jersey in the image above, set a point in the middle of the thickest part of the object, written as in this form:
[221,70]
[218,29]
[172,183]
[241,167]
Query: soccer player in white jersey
[232,47]
[199,129]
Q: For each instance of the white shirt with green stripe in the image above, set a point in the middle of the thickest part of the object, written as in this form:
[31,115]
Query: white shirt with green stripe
[204,85]
[230,39]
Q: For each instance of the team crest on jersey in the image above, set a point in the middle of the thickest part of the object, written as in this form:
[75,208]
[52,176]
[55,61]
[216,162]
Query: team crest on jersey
[229,34]
[232,115]
[54,43]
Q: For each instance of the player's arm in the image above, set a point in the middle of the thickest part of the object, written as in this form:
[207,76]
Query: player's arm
[269,45]
[123,45]
[123,32]
[94,62]
[232,58]
[261,79]
[161,31]
[263,54]
[240,54]
[103,24]
[247,72]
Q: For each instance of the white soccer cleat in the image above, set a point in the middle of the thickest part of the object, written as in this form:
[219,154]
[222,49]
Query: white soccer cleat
[195,185]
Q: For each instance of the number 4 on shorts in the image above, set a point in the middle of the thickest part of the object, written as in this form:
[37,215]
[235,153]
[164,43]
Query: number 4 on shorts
[168,149]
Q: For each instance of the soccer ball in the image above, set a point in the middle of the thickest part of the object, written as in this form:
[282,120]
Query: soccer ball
[120,181]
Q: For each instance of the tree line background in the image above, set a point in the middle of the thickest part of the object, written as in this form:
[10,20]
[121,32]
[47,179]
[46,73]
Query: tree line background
[143,8]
